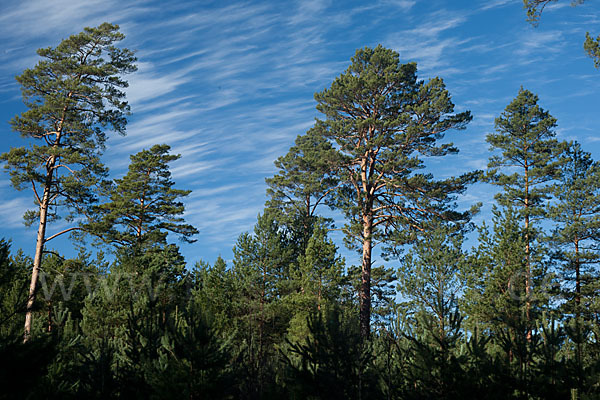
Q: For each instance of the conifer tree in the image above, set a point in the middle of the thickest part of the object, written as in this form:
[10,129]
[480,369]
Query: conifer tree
[429,277]
[493,276]
[526,165]
[14,270]
[144,206]
[73,94]
[261,269]
[383,120]
[317,281]
[214,290]
[429,280]
[576,212]
[495,298]
[303,182]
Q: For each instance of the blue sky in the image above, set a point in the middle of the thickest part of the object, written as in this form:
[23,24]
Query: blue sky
[230,84]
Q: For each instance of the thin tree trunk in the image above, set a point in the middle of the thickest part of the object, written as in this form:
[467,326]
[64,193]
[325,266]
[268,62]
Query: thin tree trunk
[577,278]
[365,288]
[578,313]
[527,257]
[39,250]
[41,235]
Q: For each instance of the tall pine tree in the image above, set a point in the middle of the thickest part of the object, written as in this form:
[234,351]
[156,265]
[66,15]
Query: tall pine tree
[526,165]
[73,94]
[383,121]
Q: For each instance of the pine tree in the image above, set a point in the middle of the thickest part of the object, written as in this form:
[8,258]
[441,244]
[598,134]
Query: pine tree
[429,277]
[13,288]
[383,121]
[526,165]
[214,290]
[303,182]
[317,282]
[261,269]
[73,94]
[429,280]
[495,299]
[576,212]
[143,206]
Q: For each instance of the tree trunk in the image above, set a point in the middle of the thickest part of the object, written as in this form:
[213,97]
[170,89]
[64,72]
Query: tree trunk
[365,287]
[39,250]
[527,257]
[577,277]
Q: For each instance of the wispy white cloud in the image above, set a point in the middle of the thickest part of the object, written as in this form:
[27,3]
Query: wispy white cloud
[535,41]
[499,3]
[11,211]
[424,44]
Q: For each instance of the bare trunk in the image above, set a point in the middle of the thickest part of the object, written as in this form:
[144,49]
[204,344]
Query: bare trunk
[41,235]
[577,277]
[365,287]
[39,250]
[578,309]
[527,257]
[319,292]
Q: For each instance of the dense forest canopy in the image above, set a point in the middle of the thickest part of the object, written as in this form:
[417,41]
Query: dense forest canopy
[434,294]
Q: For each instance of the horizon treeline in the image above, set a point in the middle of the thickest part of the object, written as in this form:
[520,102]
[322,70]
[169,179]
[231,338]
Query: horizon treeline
[516,316]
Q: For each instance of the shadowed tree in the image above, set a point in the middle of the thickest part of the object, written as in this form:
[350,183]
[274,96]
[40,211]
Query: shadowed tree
[261,271]
[383,121]
[73,95]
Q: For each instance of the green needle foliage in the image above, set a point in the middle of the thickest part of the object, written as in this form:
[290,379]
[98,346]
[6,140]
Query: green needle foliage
[73,95]
[428,277]
[577,215]
[144,206]
[383,121]
[287,319]
[529,154]
[527,163]
[303,182]
[317,280]
[495,290]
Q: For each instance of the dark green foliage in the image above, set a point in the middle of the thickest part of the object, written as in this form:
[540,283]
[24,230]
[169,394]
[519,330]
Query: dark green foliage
[576,212]
[592,48]
[14,277]
[526,141]
[334,362]
[383,121]
[304,182]
[528,162]
[428,275]
[316,282]
[73,94]
[143,206]
[261,269]
[428,278]
[286,319]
